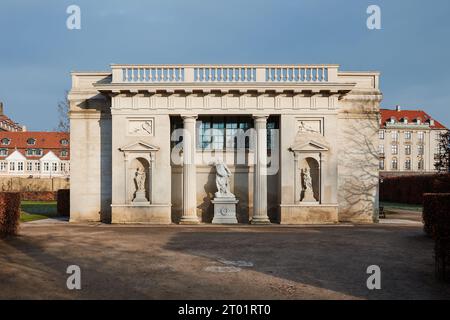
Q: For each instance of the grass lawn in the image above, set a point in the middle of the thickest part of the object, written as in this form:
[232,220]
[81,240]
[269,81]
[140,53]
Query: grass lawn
[37,210]
[401,206]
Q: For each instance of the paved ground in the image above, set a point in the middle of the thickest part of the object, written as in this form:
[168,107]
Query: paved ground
[217,262]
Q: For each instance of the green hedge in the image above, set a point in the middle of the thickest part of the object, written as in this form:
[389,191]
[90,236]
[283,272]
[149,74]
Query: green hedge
[436,219]
[410,189]
[63,202]
[9,213]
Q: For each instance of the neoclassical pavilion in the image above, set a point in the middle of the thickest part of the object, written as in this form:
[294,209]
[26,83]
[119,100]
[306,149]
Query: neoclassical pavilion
[299,141]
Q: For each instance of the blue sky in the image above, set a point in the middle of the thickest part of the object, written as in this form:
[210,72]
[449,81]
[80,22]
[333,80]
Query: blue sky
[37,51]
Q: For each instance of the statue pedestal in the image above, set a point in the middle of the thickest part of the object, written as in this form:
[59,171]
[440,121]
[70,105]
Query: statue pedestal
[140,197]
[309,197]
[225,210]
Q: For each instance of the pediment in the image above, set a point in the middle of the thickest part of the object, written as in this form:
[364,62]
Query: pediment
[139,146]
[309,146]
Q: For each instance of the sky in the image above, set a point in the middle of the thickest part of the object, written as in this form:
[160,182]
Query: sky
[38,51]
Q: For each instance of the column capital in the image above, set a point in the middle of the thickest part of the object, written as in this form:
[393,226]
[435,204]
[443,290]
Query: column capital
[260,117]
[189,116]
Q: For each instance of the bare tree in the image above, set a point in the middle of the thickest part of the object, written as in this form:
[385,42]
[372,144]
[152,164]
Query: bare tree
[442,163]
[63,114]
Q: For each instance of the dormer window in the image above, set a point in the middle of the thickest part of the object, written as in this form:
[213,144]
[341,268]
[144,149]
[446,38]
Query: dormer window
[64,142]
[6,141]
[405,120]
[31,141]
[392,120]
[418,121]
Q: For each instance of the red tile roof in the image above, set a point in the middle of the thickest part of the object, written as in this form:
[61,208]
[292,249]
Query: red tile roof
[411,115]
[9,122]
[47,141]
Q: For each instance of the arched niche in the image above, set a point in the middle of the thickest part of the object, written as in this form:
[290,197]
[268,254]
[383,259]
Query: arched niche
[139,180]
[309,167]
[309,156]
[139,157]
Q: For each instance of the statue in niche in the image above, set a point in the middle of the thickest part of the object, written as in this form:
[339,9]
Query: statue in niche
[223,175]
[140,179]
[308,193]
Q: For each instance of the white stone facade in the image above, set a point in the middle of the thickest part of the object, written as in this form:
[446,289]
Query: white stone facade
[308,156]
[408,142]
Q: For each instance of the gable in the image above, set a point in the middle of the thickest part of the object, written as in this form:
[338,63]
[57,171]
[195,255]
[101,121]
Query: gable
[309,145]
[139,146]
[16,155]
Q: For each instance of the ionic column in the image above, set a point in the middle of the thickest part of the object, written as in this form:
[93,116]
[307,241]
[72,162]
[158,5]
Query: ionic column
[260,172]
[189,215]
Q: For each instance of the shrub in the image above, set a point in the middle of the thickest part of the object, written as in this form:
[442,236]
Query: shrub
[410,189]
[9,213]
[63,202]
[436,217]
[436,214]
[39,195]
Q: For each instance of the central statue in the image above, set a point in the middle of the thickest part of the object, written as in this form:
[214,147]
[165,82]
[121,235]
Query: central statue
[223,175]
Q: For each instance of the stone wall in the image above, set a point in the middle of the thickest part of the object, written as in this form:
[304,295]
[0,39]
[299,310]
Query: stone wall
[17,184]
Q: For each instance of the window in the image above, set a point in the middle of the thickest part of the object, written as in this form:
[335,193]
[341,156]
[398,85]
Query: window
[3,152]
[37,166]
[394,164]
[394,149]
[6,141]
[381,134]
[62,167]
[34,152]
[219,133]
[64,142]
[421,136]
[381,148]
[20,166]
[420,150]
[29,166]
[381,164]
[31,141]
[420,164]
[54,167]
[46,167]
[64,153]
[408,150]
[394,135]
[12,166]
[408,135]
[408,164]
[3,166]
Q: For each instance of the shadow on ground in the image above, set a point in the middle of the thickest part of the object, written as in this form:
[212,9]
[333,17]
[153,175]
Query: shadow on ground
[205,262]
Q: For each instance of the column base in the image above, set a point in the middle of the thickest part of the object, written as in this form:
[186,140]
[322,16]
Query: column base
[258,220]
[189,220]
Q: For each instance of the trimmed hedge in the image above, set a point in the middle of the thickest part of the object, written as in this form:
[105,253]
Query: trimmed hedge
[9,213]
[63,202]
[39,196]
[436,218]
[410,189]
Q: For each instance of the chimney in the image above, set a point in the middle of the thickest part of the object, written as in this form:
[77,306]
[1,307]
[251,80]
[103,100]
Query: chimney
[1,108]
[398,108]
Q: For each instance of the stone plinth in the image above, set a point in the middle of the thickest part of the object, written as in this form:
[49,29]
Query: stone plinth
[140,197]
[225,210]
